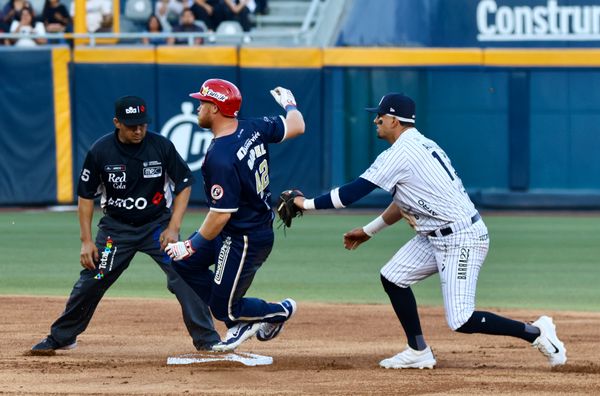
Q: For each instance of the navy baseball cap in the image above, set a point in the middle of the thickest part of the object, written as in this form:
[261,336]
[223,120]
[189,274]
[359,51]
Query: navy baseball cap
[131,110]
[396,104]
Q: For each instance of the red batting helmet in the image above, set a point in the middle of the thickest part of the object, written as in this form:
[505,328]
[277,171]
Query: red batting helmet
[222,93]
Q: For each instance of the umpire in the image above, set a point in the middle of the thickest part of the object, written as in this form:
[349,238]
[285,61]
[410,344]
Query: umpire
[136,173]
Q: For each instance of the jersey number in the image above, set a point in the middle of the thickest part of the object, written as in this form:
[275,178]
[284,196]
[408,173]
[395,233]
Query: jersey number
[261,177]
[85,175]
[437,157]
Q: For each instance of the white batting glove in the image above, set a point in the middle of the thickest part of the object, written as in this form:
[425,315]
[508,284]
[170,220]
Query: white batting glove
[284,97]
[180,250]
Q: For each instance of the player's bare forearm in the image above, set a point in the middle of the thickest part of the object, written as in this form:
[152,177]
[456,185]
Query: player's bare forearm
[213,224]
[295,124]
[180,203]
[89,252]
[392,214]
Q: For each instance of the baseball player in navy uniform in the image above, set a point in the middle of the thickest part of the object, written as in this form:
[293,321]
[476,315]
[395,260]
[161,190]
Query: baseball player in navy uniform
[237,233]
[144,187]
[452,239]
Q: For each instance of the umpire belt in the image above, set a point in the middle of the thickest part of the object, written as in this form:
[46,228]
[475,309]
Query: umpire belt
[455,227]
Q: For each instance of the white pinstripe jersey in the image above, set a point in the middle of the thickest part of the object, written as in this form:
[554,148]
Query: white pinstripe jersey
[422,181]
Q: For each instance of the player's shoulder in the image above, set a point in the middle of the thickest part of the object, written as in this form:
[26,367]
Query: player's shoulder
[105,142]
[260,123]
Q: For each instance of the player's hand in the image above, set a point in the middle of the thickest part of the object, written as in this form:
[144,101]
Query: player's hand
[353,239]
[284,97]
[168,236]
[180,250]
[89,255]
[299,202]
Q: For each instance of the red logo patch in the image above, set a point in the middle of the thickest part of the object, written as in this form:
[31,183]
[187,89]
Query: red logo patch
[142,109]
[216,192]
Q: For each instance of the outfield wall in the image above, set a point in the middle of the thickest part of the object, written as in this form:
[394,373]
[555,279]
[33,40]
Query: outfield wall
[520,125]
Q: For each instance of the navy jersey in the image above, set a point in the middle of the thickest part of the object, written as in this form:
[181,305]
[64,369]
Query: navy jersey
[136,181]
[236,173]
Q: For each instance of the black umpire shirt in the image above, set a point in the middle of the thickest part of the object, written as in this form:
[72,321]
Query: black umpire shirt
[136,181]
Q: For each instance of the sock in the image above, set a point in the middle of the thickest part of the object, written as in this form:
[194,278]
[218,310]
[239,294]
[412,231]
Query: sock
[489,323]
[405,306]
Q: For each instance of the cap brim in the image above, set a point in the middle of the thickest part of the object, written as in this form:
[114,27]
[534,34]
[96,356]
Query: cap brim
[196,95]
[372,109]
[141,121]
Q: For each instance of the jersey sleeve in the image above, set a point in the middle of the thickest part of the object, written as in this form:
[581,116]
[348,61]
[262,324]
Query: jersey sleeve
[272,128]
[89,178]
[222,186]
[390,168]
[177,170]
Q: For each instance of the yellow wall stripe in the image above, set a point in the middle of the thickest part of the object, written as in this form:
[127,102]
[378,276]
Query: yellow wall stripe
[213,56]
[401,56]
[62,125]
[281,57]
[563,57]
[114,55]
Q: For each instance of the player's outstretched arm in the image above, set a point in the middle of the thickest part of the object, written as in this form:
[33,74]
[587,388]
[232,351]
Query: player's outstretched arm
[294,120]
[211,227]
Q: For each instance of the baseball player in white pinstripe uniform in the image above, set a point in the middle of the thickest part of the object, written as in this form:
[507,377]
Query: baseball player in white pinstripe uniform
[451,239]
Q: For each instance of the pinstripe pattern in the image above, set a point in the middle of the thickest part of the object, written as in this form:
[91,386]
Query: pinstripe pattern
[423,182]
[420,176]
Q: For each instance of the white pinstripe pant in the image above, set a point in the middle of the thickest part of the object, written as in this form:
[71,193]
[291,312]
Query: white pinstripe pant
[456,257]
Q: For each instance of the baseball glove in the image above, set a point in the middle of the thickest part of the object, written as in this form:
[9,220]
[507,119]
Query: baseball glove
[286,210]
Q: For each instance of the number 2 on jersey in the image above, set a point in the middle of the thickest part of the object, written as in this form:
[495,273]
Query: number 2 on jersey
[261,177]
[437,157]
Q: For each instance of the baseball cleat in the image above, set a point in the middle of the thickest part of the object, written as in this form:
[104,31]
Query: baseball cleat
[548,342]
[236,335]
[268,331]
[410,358]
[48,346]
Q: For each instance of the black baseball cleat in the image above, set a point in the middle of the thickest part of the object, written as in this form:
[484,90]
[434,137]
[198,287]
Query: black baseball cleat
[48,347]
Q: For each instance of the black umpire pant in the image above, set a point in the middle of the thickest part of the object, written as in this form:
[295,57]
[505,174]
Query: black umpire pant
[117,243]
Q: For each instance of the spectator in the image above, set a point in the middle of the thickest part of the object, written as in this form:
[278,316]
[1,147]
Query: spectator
[211,12]
[56,18]
[99,15]
[26,26]
[153,25]
[237,10]
[187,23]
[262,7]
[168,12]
[11,11]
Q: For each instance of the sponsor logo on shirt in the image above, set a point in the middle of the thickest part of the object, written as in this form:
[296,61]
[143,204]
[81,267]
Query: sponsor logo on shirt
[152,171]
[128,203]
[118,180]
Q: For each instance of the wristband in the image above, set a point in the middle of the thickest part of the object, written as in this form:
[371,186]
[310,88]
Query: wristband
[290,107]
[309,204]
[197,240]
[375,226]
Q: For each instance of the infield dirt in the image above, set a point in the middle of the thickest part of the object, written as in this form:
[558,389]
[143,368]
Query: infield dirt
[329,349]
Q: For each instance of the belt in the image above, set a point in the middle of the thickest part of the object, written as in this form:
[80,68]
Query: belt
[454,228]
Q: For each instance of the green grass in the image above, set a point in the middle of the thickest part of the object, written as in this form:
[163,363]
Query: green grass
[534,261]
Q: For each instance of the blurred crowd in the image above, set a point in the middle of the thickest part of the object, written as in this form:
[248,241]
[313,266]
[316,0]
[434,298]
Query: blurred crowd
[19,16]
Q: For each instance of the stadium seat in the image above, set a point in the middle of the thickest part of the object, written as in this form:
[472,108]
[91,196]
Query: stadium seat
[138,10]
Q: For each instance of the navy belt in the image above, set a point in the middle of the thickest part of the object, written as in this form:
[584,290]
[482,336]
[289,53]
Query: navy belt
[448,230]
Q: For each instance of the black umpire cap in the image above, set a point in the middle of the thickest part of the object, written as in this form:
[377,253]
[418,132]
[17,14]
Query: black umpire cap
[131,110]
[396,104]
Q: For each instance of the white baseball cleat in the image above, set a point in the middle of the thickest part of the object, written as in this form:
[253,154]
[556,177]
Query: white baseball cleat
[236,335]
[410,358]
[548,342]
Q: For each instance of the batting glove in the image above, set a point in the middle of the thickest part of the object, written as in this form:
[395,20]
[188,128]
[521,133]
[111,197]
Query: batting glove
[284,97]
[180,250]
